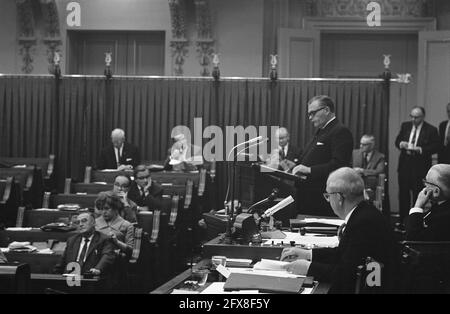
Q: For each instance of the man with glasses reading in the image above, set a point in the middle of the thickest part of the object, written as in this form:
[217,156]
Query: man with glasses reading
[330,149]
[435,224]
[417,141]
[365,233]
[146,193]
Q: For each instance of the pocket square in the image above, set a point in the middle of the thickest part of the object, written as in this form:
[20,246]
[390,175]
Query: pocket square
[320,144]
[129,159]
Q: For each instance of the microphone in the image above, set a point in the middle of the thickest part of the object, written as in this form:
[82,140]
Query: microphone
[251,141]
[273,210]
[273,195]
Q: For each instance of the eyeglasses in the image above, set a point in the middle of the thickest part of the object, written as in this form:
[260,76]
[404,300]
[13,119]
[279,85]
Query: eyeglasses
[425,183]
[415,117]
[78,221]
[313,113]
[364,144]
[327,195]
[142,178]
[121,186]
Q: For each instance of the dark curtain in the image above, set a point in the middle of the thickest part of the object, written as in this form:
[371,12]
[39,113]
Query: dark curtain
[78,124]
[26,126]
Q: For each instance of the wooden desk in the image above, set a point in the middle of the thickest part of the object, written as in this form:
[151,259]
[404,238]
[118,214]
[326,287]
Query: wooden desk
[39,263]
[34,235]
[321,288]
[38,218]
[40,283]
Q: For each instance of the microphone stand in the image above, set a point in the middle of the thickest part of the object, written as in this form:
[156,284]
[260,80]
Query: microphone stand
[231,184]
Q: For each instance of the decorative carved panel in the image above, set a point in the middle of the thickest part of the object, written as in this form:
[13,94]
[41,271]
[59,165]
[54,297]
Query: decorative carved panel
[52,35]
[26,33]
[205,41]
[392,8]
[179,42]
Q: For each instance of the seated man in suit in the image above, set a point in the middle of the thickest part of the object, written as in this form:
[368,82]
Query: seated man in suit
[92,250]
[365,233]
[146,193]
[434,225]
[286,156]
[122,184]
[3,258]
[119,154]
[368,162]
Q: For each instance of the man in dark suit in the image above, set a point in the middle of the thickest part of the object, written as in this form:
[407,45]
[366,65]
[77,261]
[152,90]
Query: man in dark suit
[368,162]
[92,250]
[434,225]
[286,156]
[330,149]
[418,141]
[365,233]
[119,154]
[444,135]
[146,193]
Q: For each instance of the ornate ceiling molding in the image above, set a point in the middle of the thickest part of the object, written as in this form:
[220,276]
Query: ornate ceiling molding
[205,41]
[389,8]
[52,37]
[26,33]
[179,42]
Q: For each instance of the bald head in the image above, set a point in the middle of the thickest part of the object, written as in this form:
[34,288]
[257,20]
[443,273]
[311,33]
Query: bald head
[282,136]
[348,182]
[440,175]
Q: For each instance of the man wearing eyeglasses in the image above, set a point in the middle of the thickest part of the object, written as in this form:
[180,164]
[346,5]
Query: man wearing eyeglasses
[417,141]
[331,148]
[435,224]
[146,193]
[365,233]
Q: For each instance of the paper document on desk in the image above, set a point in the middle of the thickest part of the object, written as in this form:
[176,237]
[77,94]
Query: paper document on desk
[325,221]
[309,241]
[19,229]
[268,264]
[217,288]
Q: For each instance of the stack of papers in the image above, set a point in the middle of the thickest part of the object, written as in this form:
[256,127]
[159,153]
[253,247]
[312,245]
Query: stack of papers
[324,221]
[273,265]
[25,247]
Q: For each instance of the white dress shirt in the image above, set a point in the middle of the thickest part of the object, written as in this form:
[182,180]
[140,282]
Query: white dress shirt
[82,244]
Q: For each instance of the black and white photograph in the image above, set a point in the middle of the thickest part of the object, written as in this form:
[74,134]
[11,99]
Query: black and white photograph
[224,153]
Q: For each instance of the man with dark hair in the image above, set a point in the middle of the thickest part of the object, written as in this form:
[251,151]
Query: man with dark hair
[365,233]
[444,134]
[434,225]
[417,141]
[92,250]
[331,148]
[146,193]
[119,154]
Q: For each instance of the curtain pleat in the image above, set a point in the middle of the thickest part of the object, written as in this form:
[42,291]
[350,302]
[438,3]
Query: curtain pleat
[149,108]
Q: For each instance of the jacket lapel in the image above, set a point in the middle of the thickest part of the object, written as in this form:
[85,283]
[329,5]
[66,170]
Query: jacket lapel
[93,245]
[76,247]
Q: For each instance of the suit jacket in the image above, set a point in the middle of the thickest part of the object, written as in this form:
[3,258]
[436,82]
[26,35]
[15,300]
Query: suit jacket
[330,149]
[375,166]
[367,234]
[152,200]
[444,152]
[434,226]
[100,254]
[428,140]
[107,157]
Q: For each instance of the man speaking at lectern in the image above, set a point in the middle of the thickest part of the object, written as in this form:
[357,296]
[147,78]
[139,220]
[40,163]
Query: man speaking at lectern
[330,148]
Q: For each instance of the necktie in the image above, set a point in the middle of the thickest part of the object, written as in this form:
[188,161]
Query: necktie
[364,161]
[83,251]
[341,229]
[282,154]
[413,140]
[447,137]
